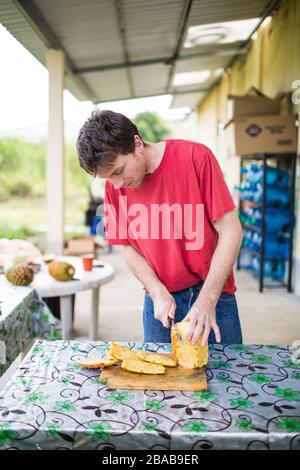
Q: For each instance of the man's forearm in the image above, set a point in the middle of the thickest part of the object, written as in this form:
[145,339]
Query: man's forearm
[222,262]
[142,270]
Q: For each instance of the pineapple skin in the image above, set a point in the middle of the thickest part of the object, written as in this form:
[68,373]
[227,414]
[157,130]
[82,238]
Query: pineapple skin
[61,271]
[20,275]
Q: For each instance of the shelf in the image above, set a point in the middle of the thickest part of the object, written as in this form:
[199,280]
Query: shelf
[290,160]
[268,156]
[257,253]
[255,228]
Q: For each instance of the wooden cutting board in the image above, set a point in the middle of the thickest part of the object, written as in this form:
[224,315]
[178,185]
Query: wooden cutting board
[175,378]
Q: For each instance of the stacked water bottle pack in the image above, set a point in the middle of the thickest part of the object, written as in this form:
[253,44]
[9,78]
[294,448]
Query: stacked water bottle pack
[277,219]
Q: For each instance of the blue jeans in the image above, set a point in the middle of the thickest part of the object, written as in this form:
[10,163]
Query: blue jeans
[226,314]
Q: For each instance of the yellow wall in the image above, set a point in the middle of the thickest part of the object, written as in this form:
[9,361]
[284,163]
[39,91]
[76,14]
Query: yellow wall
[273,60]
[271,65]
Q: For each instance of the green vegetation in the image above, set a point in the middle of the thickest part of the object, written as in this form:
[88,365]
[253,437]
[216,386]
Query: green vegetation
[23,209]
[23,169]
[23,188]
[22,232]
[151,126]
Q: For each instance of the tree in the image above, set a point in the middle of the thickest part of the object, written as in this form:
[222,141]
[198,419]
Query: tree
[151,126]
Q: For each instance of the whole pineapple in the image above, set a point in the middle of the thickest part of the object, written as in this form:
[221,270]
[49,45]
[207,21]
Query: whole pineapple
[61,271]
[20,275]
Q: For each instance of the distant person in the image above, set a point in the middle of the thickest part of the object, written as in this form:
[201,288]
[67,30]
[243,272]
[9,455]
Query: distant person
[168,205]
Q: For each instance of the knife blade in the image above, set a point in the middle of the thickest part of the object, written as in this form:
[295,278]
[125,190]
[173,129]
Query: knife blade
[174,328]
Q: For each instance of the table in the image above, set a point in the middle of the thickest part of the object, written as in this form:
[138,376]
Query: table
[46,286]
[253,402]
[23,317]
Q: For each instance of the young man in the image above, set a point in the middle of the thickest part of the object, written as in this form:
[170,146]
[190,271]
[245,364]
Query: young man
[168,205]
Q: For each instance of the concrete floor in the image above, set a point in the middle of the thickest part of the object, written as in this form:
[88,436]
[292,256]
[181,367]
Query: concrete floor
[272,317]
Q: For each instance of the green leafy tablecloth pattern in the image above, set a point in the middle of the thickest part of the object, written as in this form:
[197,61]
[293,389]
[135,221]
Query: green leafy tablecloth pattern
[252,402]
[23,317]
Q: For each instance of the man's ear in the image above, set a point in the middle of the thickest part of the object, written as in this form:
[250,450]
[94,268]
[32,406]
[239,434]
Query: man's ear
[138,142]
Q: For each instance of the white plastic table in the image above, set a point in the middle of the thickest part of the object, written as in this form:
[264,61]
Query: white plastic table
[46,286]
[24,316]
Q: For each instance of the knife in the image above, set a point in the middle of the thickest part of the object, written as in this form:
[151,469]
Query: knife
[174,328]
[171,320]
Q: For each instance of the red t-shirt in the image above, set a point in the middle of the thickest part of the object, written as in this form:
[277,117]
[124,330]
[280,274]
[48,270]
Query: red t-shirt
[188,188]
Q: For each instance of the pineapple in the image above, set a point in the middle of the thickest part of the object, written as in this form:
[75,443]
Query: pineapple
[188,356]
[61,271]
[121,352]
[154,358]
[95,363]
[20,275]
[142,367]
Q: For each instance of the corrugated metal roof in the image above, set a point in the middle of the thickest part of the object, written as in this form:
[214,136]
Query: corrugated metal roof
[120,49]
[214,11]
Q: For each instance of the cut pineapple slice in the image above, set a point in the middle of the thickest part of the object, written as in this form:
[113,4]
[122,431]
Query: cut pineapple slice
[142,367]
[154,358]
[96,362]
[120,352]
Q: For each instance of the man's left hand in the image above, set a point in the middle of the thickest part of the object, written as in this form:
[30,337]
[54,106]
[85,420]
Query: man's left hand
[202,318]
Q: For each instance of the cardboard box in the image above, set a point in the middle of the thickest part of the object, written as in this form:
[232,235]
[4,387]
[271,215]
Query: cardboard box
[241,106]
[261,134]
[81,246]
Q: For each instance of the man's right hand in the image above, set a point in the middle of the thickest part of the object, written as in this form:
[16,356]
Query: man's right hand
[164,305]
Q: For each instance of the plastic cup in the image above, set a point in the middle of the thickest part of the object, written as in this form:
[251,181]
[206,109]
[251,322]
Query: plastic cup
[87,261]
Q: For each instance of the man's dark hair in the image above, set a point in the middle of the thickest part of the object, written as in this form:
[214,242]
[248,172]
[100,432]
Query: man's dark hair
[102,137]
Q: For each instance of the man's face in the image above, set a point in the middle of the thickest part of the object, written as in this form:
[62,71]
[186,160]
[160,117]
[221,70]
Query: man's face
[128,171]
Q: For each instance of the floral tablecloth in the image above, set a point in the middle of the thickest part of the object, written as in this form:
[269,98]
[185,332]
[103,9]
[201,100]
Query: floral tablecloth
[23,317]
[252,402]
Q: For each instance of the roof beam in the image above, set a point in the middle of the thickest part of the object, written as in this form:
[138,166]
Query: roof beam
[173,93]
[223,50]
[42,29]
[179,41]
[122,30]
